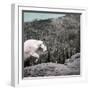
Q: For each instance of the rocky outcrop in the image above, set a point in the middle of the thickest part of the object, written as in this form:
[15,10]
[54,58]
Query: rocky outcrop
[71,67]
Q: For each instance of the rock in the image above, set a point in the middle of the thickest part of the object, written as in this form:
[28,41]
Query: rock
[49,69]
[74,63]
[77,55]
[74,58]
[71,67]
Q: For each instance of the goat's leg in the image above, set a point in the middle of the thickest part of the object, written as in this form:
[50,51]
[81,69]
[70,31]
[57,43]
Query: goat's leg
[36,55]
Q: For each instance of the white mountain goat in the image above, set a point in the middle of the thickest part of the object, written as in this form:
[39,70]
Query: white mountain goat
[33,48]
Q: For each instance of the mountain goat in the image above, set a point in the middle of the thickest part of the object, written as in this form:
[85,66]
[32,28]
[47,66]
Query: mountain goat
[33,48]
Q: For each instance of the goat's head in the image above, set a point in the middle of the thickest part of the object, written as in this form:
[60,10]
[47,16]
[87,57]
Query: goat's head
[42,46]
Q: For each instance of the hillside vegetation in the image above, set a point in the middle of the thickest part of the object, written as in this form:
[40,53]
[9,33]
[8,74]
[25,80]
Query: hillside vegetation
[61,36]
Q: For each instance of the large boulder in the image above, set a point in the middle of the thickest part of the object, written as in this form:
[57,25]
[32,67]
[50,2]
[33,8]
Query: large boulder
[74,63]
[50,69]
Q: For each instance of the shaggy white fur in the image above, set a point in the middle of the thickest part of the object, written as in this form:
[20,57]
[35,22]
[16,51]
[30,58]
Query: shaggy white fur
[31,48]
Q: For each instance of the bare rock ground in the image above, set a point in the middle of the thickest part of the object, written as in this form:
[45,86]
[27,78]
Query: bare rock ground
[71,67]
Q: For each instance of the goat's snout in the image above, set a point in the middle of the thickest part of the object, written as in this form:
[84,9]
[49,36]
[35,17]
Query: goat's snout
[45,49]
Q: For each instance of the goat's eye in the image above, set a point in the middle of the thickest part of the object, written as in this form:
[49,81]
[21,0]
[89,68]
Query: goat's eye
[39,49]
